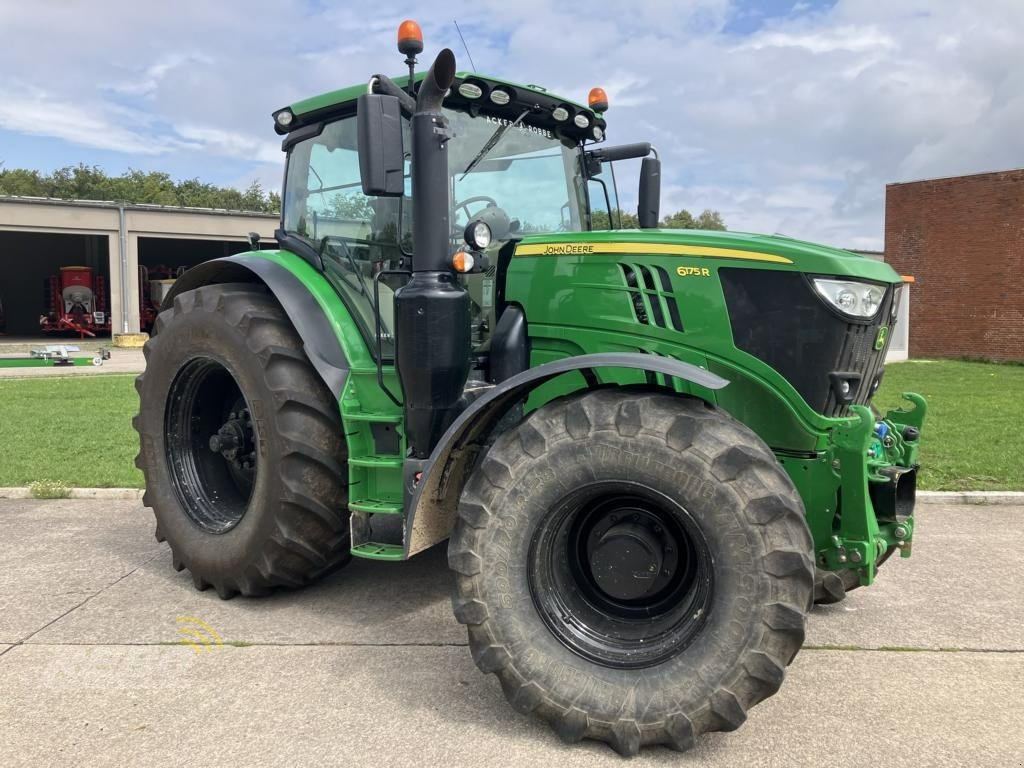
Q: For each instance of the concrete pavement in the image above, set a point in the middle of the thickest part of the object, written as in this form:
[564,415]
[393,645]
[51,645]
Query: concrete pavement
[924,668]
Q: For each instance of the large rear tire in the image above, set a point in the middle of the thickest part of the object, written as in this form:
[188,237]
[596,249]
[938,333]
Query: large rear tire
[635,568]
[241,445]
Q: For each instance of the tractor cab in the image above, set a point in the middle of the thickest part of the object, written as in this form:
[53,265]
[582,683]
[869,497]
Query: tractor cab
[519,161]
[527,180]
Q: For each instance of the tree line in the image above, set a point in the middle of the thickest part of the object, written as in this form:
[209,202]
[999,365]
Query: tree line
[84,182]
[682,219]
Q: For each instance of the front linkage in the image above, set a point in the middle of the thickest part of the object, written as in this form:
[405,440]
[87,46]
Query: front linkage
[876,463]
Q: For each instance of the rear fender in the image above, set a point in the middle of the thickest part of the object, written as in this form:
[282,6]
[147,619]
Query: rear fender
[310,319]
[432,486]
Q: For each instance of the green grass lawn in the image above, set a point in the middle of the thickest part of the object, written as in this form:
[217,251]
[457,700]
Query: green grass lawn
[973,436]
[77,430]
[73,429]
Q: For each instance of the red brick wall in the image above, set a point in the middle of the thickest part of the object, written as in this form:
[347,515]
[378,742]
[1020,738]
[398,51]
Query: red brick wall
[963,240]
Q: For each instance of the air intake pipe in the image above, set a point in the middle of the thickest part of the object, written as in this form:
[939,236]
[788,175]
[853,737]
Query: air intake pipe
[432,311]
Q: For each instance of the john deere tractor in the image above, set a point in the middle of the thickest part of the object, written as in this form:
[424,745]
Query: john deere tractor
[650,450]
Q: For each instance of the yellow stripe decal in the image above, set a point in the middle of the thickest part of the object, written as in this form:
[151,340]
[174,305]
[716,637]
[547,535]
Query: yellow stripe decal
[664,249]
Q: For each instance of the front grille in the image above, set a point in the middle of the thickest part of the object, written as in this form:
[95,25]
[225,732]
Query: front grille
[779,319]
[651,296]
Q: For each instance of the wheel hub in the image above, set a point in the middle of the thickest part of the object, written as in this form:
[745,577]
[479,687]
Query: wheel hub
[234,440]
[627,553]
[621,574]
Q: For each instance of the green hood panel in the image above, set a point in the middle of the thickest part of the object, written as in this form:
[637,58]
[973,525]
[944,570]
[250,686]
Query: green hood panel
[661,291]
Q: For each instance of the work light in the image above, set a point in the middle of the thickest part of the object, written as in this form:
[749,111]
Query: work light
[284,118]
[478,235]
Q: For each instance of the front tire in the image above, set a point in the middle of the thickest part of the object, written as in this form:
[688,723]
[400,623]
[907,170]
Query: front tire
[241,445]
[564,531]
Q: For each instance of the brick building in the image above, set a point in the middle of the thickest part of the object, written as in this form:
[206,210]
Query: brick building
[962,238]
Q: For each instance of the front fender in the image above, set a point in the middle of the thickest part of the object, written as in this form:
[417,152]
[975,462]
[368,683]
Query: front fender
[432,486]
[309,318]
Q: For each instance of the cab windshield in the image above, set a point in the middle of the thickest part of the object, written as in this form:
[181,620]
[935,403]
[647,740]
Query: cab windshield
[528,173]
[525,175]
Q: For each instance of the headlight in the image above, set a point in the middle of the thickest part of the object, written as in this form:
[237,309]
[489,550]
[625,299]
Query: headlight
[478,235]
[851,297]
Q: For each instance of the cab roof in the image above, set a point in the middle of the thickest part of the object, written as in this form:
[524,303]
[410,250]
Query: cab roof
[539,99]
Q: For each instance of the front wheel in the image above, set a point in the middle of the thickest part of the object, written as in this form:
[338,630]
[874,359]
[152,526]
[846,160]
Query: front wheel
[635,568]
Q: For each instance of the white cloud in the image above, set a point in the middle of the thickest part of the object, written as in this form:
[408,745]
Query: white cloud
[97,125]
[852,39]
[231,143]
[154,73]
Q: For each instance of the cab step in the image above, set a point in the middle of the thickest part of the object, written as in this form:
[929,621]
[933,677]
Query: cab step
[384,418]
[372,551]
[376,461]
[376,507]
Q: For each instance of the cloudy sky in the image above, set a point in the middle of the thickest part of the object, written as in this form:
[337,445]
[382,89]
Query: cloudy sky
[787,116]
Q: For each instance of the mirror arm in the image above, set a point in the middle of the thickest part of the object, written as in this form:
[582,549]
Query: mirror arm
[384,84]
[621,152]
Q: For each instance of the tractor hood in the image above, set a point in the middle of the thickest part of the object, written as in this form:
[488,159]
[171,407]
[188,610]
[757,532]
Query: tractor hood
[744,306]
[694,247]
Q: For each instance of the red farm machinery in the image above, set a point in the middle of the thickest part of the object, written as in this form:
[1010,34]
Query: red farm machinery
[154,284]
[75,300]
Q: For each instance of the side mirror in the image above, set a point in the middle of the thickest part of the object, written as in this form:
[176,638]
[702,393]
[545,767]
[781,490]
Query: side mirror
[649,209]
[381,151]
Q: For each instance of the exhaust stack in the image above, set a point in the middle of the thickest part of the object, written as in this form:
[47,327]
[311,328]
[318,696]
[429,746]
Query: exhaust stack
[432,311]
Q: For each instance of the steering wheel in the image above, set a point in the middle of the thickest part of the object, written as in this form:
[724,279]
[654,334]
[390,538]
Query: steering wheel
[464,204]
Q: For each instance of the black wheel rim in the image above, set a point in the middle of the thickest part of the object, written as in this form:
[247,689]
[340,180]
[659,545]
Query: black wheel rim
[210,440]
[621,574]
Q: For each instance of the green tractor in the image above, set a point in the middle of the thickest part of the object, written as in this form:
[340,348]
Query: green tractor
[650,450]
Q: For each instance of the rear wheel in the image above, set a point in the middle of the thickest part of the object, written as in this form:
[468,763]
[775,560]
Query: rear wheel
[241,445]
[635,568]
